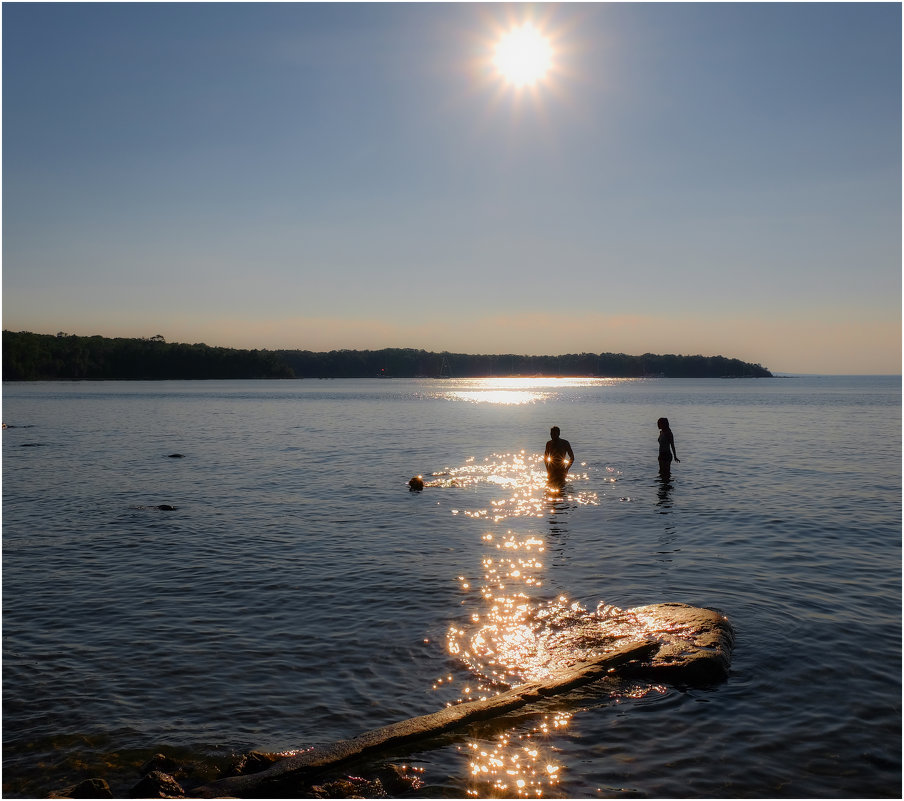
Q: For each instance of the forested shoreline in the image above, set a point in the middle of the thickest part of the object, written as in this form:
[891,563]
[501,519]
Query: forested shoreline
[42,357]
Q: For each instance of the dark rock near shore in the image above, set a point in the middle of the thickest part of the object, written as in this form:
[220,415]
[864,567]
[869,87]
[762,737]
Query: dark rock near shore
[389,781]
[157,784]
[400,779]
[162,763]
[89,788]
[350,787]
[252,762]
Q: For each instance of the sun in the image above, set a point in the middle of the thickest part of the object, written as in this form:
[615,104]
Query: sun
[523,56]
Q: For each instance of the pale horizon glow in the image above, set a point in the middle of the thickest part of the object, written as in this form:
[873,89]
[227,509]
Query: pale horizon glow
[686,178]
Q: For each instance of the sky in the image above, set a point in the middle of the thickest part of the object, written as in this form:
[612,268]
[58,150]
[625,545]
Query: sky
[689,178]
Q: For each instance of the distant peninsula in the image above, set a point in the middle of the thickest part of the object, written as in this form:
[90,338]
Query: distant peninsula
[48,357]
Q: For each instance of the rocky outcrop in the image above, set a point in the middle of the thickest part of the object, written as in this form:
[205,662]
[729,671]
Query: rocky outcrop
[392,781]
[160,762]
[694,643]
[157,784]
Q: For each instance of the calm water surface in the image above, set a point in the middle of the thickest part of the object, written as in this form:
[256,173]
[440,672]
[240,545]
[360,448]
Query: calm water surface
[299,594]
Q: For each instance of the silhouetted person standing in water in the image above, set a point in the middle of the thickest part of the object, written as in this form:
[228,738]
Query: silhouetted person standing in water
[558,457]
[666,447]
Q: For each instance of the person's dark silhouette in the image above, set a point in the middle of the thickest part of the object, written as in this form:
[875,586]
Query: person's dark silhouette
[558,457]
[666,447]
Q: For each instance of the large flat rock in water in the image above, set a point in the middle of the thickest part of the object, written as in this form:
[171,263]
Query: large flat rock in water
[695,643]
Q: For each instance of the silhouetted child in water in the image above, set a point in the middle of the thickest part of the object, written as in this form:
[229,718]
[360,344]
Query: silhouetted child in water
[666,447]
[558,457]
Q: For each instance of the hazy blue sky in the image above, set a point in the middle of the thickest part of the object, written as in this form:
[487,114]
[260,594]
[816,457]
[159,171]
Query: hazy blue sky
[691,178]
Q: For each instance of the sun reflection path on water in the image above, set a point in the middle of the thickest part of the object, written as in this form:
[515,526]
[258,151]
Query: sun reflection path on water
[509,397]
[523,477]
[511,633]
[518,390]
[513,764]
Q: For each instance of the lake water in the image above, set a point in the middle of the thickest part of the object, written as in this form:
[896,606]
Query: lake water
[300,594]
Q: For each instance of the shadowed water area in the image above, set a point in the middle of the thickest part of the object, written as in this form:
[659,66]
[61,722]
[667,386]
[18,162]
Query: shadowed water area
[279,587]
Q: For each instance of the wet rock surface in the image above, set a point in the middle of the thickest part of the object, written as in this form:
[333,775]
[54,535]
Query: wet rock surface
[391,781]
[157,784]
[694,643]
[160,762]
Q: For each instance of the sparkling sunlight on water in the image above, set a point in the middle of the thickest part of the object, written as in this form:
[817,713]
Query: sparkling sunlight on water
[516,635]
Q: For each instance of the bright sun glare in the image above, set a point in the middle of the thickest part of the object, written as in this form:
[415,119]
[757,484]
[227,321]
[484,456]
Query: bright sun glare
[523,56]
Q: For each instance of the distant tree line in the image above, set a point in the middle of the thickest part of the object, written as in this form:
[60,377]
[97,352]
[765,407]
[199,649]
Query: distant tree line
[28,356]
[410,363]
